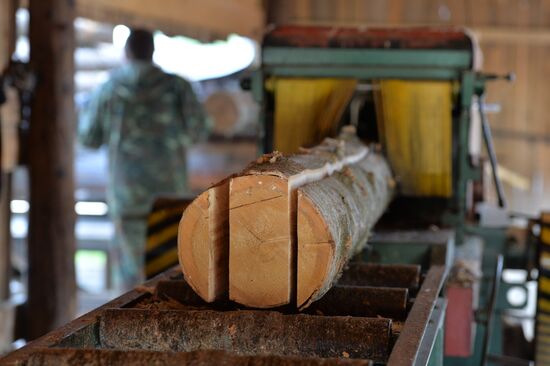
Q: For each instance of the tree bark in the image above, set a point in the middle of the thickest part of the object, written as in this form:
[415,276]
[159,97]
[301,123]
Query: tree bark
[294,221]
[52,299]
[335,217]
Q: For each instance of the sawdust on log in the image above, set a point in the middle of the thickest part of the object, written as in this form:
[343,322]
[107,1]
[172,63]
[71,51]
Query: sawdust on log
[156,302]
[269,158]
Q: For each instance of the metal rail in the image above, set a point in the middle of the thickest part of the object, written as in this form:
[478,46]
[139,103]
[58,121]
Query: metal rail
[352,325]
[407,348]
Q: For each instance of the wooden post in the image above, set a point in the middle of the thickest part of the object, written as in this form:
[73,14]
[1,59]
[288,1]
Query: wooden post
[7,44]
[7,32]
[52,286]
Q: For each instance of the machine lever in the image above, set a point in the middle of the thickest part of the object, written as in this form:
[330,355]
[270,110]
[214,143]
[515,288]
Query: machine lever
[487,137]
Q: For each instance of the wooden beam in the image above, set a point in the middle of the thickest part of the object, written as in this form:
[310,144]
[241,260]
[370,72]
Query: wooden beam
[7,45]
[52,299]
[513,35]
[201,19]
[7,32]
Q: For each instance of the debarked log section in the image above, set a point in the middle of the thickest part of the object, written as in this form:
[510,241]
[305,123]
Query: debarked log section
[281,231]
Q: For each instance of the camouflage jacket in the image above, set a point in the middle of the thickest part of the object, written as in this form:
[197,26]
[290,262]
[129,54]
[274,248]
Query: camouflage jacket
[147,118]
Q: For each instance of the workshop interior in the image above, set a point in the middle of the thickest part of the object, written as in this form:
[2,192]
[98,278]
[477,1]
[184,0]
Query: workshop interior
[364,182]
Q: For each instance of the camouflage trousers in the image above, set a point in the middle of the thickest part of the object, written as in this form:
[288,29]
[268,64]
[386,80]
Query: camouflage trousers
[127,268]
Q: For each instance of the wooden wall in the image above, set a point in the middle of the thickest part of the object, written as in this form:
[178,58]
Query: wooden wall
[206,20]
[514,37]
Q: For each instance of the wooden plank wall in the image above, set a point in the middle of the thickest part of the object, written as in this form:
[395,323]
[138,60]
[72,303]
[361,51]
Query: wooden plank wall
[206,20]
[514,37]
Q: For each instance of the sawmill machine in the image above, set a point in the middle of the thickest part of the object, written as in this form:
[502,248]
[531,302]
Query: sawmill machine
[416,92]
[428,288]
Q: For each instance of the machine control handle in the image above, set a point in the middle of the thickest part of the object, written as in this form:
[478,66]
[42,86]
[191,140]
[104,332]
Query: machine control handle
[506,77]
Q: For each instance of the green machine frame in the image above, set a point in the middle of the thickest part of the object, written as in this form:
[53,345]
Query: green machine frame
[386,63]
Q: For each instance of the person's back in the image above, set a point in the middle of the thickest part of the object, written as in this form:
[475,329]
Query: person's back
[147,118]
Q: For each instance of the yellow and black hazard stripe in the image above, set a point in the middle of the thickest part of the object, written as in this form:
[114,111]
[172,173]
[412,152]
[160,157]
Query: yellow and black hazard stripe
[161,247]
[542,357]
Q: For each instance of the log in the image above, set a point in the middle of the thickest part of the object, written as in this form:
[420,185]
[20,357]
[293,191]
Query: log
[234,113]
[294,222]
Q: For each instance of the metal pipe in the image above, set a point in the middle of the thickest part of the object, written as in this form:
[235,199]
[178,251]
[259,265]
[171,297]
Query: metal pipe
[487,137]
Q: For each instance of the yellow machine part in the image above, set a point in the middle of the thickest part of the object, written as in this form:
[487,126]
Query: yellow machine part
[415,127]
[307,110]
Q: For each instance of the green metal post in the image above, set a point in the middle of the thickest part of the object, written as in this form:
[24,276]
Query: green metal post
[463,164]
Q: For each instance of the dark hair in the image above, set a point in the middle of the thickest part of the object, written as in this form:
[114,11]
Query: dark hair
[140,45]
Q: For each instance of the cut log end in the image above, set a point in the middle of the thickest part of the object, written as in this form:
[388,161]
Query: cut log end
[260,262]
[202,243]
[192,252]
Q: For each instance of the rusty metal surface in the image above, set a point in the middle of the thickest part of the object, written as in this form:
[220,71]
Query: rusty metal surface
[363,301]
[84,322]
[246,333]
[362,37]
[387,275]
[165,317]
[406,349]
[98,357]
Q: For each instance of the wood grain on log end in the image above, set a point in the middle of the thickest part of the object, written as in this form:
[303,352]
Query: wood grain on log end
[260,259]
[202,243]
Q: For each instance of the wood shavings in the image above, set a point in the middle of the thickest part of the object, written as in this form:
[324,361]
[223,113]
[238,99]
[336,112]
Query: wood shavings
[269,158]
[275,155]
[348,173]
[145,289]
[156,302]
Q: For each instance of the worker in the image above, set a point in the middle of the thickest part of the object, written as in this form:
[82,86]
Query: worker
[146,118]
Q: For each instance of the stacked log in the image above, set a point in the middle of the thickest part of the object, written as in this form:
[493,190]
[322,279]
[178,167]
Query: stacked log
[281,231]
[233,113]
